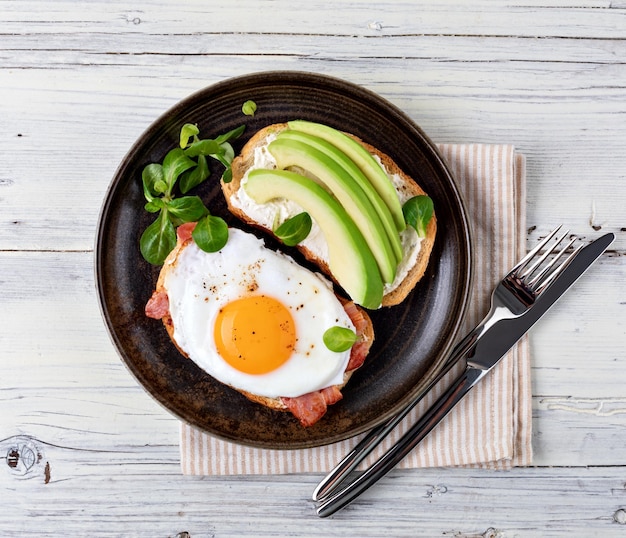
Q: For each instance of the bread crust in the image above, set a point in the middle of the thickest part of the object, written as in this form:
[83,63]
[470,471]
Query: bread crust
[245,160]
[273,403]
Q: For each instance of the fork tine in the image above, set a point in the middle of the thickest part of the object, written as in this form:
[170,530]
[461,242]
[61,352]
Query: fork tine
[531,254]
[542,258]
[543,285]
[539,276]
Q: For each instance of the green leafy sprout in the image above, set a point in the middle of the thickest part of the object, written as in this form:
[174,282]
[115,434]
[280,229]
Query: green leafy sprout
[417,213]
[186,167]
[249,108]
[294,229]
[339,339]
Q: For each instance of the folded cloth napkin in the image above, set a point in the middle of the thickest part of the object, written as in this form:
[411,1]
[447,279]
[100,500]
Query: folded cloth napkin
[491,426]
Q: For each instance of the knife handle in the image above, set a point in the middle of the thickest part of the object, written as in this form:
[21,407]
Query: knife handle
[407,442]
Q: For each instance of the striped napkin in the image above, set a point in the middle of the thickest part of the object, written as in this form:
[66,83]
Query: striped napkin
[491,427]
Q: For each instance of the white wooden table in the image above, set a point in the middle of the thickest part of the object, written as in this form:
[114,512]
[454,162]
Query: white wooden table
[80,81]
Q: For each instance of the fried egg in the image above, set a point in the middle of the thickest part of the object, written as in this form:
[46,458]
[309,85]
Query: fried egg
[254,319]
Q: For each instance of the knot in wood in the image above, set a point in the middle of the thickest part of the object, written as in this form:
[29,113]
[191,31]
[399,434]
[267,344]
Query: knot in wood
[22,455]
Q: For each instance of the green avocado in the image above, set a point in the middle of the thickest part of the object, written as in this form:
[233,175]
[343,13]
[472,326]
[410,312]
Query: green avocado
[358,176]
[293,153]
[350,259]
[363,159]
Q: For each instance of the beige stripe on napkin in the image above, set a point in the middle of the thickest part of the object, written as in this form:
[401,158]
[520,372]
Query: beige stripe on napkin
[491,427]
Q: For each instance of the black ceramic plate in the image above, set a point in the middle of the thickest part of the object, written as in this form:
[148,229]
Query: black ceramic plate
[410,338]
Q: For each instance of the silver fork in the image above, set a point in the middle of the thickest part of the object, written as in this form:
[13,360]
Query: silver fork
[513,298]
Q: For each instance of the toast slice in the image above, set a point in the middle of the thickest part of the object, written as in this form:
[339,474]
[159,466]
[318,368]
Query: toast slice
[415,259]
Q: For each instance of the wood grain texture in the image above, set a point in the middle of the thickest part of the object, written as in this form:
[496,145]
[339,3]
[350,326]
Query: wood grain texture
[85,451]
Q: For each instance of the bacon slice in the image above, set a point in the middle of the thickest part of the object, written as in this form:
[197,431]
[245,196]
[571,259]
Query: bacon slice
[183,232]
[158,305]
[361,348]
[331,394]
[310,407]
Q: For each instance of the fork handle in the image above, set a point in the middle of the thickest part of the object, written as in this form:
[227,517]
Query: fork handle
[375,436]
[407,442]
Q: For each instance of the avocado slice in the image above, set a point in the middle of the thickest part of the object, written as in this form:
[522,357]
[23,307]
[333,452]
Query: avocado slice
[363,159]
[359,177]
[350,259]
[292,153]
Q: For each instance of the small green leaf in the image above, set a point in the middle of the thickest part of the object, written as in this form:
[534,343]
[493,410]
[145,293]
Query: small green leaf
[339,338]
[160,186]
[188,131]
[249,108]
[227,176]
[202,147]
[221,157]
[158,240]
[417,213]
[211,233]
[174,164]
[230,135]
[295,229]
[187,208]
[194,176]
[228,153]
[154,206]
[150,176]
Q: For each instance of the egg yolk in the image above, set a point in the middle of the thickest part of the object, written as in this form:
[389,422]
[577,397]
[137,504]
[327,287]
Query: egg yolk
[255,334]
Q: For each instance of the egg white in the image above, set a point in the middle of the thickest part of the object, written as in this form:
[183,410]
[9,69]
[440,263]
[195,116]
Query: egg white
[198,284]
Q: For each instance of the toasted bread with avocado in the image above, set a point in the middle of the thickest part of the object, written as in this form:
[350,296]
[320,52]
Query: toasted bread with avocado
[413,260]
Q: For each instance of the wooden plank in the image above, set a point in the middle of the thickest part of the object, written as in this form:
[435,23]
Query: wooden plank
[534,18]
[140,493]
[570,342]
[567,431]
[64,48]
